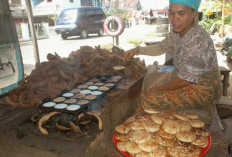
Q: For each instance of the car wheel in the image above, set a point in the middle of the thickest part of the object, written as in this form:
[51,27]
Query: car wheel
[84,34]
[64,36]
[101,32]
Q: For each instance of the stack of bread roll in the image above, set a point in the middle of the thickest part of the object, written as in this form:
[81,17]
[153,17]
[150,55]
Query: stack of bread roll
[155,133]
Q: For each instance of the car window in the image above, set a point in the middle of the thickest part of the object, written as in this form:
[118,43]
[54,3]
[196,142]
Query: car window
[68,15]
[91,13]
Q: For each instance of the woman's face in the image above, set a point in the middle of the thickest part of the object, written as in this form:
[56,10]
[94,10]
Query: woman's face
[181,17]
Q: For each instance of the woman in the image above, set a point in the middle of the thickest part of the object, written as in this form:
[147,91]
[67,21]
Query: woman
[194,84]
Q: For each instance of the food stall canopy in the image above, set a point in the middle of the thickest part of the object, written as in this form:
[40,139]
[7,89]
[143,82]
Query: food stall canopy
[11,69]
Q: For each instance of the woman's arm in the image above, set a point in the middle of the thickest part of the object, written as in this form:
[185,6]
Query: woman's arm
[173,84]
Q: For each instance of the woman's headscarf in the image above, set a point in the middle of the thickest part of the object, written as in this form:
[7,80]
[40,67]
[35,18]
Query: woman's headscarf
[190,3]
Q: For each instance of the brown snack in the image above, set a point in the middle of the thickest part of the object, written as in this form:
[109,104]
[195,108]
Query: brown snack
[82,102]
[132,148]
[99,84]
[122,146]
[59,99]
[90,97]
[174,152]
[121,137]
[94,80]
[151,110]
[201,141]
[171,126]
[197,123]
[104,89]
[141,136]
[109,85]
[137,125]
[142,116]
[76,90]
[88,83]
[150,126]
[70,101]
[184,125]
[142,154]
[129,120]
[163,141]
[149,146]
[124,129]
[202,131]
[158,119]
[160,152]
[181,116]
[186,136]
[191,115]
[166,135]
[80,95]
[82,86]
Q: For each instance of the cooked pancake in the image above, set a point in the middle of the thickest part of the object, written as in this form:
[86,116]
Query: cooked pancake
[202,131]
[124,129]
[59,99]
[184,125]
[132,148]
[90,97]
[171,126]
[94,80]
[76,90]
[117,77]
[67,94]
[158,119]
[201,141]
[163,141]
[184,148]
[197,123]
[149,146]
[181,116]
[142,154]
[60,106]
[88,83]
[80,95]
[160,152]
[174,152]
[130,134]
[137,125]
[99,84]
[104,89]
[96,93]
[93,87]
[142,116]
[83,86]
[129,120]
[151,110]
[73,107]
[186,136]
[121,137]
[70,101]
[150,126]
[109,85]
[191,115]
[164,134]
[85,91]
[122,146]
[141,136]
[82,102]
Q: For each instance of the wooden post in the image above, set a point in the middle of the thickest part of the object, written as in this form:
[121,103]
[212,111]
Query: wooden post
[33,35]
[117,38]
[223,18]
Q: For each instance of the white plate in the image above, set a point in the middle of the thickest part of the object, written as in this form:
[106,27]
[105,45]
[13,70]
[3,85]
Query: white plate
[93,87]
[85,91]
[61,106]
[96,93]
[68,94]
[73,107]
[49,104]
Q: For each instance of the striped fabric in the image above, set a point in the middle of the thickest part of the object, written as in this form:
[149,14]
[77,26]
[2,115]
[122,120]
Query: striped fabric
[198,98]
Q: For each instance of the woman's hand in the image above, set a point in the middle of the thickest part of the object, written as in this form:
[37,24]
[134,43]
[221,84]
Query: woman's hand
[130,53]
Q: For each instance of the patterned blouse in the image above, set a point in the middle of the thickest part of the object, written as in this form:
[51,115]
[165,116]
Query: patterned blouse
[193,54]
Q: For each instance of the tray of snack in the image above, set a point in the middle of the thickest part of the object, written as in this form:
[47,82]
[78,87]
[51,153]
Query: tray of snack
[83,96]
[162,133]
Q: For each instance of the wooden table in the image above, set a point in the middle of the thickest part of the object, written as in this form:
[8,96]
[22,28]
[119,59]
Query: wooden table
[225,79]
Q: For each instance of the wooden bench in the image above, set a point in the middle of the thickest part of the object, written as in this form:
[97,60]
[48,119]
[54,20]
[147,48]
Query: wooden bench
[225,79]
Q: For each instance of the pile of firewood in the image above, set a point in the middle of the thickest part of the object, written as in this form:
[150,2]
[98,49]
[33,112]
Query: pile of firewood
[49,78]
